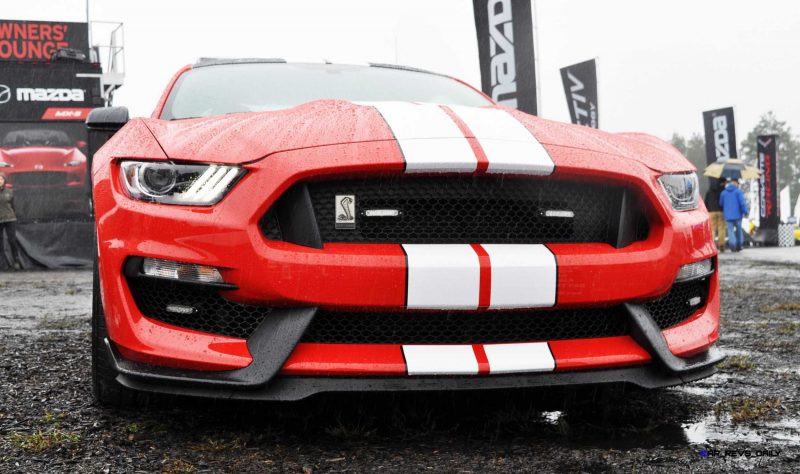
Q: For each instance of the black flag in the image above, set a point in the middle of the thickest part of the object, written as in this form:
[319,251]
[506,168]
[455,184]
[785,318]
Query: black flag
[768,202]
[720,135]
[505,48]
[580,87]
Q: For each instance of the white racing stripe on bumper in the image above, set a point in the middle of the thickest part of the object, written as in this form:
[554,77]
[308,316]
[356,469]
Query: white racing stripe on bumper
[428,137]
[508,145]
[442,276]
[460,359]
[432,360]
[523,276]
[519,357]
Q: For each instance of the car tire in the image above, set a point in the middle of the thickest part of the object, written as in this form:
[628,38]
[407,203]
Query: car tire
[106,390]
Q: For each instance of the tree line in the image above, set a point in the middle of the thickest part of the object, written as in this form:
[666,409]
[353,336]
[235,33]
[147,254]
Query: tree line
[694,148]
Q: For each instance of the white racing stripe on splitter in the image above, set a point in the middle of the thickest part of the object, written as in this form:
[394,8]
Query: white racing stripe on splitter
[442,276]
[523,276]
[519,357]
[441,360]
[428,137]
[508,145]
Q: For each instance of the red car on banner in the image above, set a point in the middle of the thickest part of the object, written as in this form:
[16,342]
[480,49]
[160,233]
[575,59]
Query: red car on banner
[46,168]
[277,230]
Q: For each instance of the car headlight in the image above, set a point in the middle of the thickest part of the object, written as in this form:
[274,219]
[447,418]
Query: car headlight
[5,165]
[682,189]
[73,163]
[170,183]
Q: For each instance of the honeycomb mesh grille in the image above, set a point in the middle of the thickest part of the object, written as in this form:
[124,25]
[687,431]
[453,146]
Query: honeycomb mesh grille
[674,307]
[216,315]
[465,210]
[213,313]
[464,328]
[458,327]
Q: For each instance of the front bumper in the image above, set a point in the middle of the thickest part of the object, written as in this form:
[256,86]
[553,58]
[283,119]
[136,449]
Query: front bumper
[257,381]
[373,276]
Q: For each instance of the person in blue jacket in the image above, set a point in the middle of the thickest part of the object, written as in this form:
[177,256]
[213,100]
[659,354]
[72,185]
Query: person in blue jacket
[733,209]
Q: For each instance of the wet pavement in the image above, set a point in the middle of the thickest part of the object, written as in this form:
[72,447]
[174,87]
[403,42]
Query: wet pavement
[747,417]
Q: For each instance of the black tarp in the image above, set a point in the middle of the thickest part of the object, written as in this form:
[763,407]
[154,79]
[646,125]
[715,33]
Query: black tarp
[52,245]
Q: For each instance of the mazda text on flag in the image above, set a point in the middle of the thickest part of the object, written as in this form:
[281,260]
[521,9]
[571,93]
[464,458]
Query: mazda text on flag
[277,230]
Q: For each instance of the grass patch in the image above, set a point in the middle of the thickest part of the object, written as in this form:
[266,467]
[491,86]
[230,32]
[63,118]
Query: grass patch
[737,362]
[355,429]
[176,466]
[39,441]
[61,324]
[216,446]
[745,409]
[788,328]
[51,418]
[771,308]
[773,345]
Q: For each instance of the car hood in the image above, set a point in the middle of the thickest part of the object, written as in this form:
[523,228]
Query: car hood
[246,137]
[37,155]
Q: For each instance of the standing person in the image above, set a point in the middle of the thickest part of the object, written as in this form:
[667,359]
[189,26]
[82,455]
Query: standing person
[715,212]
[8,223]
[733,209]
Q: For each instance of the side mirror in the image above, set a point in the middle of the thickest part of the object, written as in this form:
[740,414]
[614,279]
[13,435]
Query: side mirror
[80,144]
[102,124]
[107,119]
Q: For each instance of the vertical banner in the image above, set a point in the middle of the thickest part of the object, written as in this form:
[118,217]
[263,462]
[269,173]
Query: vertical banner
[768,205]
[505,49]
[720,134]
[580,87]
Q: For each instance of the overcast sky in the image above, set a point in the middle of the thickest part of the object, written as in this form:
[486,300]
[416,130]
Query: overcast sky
[660,63]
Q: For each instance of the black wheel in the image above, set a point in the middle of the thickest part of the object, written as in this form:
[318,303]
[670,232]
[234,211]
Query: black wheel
[107,391]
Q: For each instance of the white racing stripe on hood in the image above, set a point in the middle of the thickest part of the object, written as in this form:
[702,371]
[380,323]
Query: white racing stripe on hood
[432,142]
[509,146]
[428,137]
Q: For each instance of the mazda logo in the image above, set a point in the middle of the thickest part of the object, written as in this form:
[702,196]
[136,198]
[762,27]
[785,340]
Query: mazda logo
[5,94]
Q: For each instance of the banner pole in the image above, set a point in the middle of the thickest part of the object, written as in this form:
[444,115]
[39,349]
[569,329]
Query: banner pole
[536,59]
[88,27]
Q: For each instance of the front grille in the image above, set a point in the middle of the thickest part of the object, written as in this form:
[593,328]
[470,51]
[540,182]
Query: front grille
[40,178]
[465,328]
[458,327]
[213,313]
[463,210]
[674,308]
[216,315]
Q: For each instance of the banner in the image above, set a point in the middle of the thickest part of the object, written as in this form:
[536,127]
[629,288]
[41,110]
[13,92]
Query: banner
[43,153]
[720,135]
[580,87]
[48,91]
[38,40]
[505,49]
[768,201]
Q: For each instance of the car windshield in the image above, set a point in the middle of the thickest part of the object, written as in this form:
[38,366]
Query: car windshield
[255,87]
[25,138]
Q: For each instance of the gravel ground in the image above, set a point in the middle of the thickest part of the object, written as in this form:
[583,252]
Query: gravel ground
[747,416]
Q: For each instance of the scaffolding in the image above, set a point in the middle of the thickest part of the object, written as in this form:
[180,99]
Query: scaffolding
[110,55]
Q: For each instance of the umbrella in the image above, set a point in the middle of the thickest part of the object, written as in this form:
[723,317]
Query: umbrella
[732,168]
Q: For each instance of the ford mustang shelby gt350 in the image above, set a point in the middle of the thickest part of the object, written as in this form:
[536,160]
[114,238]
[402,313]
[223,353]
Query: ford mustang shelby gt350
[277,230]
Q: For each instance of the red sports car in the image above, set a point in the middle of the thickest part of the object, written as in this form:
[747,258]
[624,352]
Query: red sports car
[277,230]
[47,170]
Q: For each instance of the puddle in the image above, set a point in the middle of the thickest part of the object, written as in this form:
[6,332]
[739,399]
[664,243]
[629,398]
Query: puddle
[709,430]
